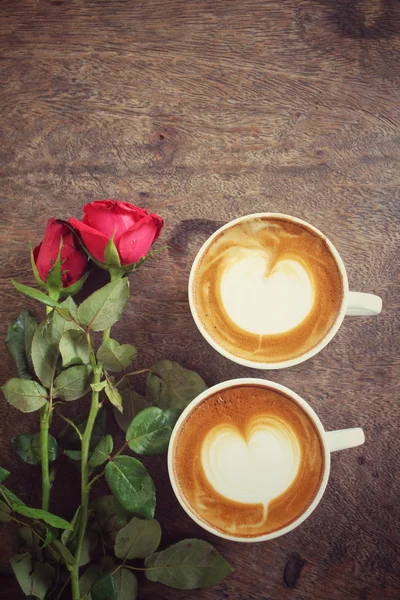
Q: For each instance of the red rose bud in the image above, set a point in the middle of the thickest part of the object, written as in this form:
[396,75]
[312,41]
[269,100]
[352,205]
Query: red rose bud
[133,228]
[72,264]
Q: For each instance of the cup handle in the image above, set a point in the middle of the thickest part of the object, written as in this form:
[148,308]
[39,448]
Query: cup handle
[344,438]
[360,304]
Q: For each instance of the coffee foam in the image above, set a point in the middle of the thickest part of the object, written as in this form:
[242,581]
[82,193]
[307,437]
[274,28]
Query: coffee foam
[248,461]
[267,289]
[266,297]
[254,467]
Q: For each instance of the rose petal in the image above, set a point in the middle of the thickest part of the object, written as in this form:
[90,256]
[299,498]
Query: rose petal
[74,260]
[136,242]
[47,251]
[94,241]
[36,252]
[160,224]
[108,216]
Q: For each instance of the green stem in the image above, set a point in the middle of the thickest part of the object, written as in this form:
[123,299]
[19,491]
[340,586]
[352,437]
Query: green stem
[85,489]
[106,335]
[140,372]
[71,423]
[45,414]
[45,417]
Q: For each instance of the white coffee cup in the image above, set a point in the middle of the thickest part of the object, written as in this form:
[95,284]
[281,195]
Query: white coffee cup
[353,303]
[331,441]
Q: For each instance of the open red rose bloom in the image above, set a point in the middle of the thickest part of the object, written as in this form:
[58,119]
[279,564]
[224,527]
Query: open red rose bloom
[134,229]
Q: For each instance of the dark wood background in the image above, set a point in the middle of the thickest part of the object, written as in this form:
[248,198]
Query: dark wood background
[203,111]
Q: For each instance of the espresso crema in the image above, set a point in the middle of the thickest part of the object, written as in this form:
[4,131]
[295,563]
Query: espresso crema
[267,289]
[248,461]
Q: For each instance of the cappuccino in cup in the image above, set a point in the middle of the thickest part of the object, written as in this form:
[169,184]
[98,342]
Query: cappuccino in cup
[249,459]
[270,291]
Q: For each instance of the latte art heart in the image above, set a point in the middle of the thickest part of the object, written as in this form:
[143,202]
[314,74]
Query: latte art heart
[255,468]
[266,290]
[264,300]
[248,460]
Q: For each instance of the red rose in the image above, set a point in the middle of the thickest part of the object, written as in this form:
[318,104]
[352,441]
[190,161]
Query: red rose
[135,230]
[73,259]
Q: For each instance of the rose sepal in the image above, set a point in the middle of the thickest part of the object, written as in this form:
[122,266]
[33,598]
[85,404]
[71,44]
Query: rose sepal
[76,287]
[39,280]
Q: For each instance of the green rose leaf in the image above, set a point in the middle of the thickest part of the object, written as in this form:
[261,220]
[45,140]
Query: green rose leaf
[113,395]
[43,515]
[73,454]
[5,512]
[45,350]
[28,448]
[68,535]
[126,584]
[187,565]
[10,497]
[74,348]
[102,452]
[73,383]
[34,578]
[107,563]
[138,539]
[170,385]
[52,555]
[19,343]
[104,308]
[67,315]
[66,310]
[132,485]
[151,429]
[98,387]
[25,538]
[122,514]
[45,343]
[51,534]
[132,404]
[109,518]
[3,474]
[64,552]
[116,357]
[34,293]
[104,588]
[24,394]
[87,580]
[89,544]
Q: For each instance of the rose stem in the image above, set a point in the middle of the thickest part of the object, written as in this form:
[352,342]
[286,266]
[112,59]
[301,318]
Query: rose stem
[85,489]
[45,414]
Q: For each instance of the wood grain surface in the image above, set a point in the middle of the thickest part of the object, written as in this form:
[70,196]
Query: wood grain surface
[204,110]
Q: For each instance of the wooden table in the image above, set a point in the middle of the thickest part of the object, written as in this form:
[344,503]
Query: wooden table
[203,111]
